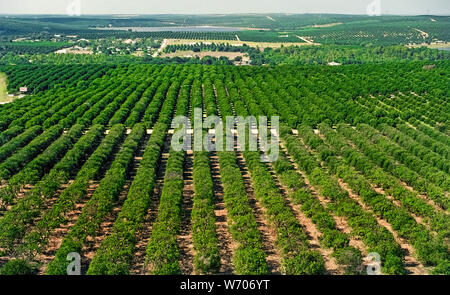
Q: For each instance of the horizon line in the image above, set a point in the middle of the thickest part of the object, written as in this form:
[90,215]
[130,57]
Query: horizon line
[215,13]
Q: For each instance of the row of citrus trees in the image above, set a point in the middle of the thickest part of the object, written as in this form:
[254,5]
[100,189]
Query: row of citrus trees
[375,236]
[430,253]
[115,253]
[104,195]
[32,205]
[429,250]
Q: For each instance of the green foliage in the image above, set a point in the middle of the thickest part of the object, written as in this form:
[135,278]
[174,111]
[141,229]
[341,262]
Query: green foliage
[17,267]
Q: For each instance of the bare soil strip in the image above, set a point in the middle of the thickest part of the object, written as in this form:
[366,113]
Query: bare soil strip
[57,236]
[226,244]
[138,266]
[160,49]
[397,203]
[425,198]
[424,34]
[268,236]
[308,226]
[93,243]
[341,223]
[185,242]
[23,191]
[412,265]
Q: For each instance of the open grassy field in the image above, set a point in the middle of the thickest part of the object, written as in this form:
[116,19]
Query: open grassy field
[4,98]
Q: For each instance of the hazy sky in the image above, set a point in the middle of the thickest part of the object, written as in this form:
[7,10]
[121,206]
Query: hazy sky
[223,6]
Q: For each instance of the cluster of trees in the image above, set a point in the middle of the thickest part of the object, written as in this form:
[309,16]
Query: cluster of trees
[162,253]
[15,222]
[17,142]
[114,46]
[222,47]
[18,160]
[382,31]
[37,239]
[115,253]
[30,47]
[249,256]
[9,134]
[429,250]
[41,164]
[415,148]
[390,183]
[100,204]
[44,77]
[428,108]
[415,232]
[162,250]
[159,35]
[432,174]
[321,55]
[387,150]
[204,236]
[33,204]
[401,171]
[425,140]
[432,133]
[376,237]
[361,221]
[347,256]
[149,99]
[291,241]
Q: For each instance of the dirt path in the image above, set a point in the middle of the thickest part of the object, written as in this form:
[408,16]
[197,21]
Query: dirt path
[226,244]
[308,226]
[424,34]
[138,266]
[92,243]
[425,198]
[397,203]
[185,242]
[237,38]
[305,39]
[268,235]
[57,236]
[23,192]
[411,264]
[160,49]
[341,223]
